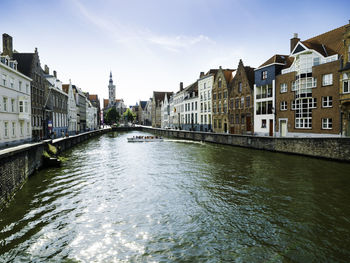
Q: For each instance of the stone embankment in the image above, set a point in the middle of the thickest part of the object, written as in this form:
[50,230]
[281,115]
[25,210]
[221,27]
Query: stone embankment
[330,148]
[18,163]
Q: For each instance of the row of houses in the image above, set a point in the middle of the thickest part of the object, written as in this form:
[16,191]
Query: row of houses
[35,104]
[305,93]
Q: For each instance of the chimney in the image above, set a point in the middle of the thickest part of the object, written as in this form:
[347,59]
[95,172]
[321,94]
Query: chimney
[55,74]
[181,86]
[47,70]
[201,74]
[7,45]
[294,41]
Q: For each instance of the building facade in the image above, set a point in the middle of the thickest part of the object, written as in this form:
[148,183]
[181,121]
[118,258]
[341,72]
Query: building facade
[191,108]
[205,85]
[158,97]
[15,104]
[178,117]
[220,99]
[264,92]
[72,108]
[309,105]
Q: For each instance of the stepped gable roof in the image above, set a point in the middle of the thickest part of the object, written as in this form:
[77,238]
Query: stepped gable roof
[228,74]
[250,75]
[329,43]
[65,88]
[25,61]
[159,96]
[282,59]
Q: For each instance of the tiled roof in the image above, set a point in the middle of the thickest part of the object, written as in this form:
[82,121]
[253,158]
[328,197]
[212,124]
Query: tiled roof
[228,74]
[329,43]
[250,74]
[275,59]
[159,96]
[105,103]
[65,88]
[93,97]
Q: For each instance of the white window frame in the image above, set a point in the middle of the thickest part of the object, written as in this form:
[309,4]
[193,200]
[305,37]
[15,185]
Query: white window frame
[327,124]
[346,79]
[327,79]
[283,105]
[327,102]
[283,88]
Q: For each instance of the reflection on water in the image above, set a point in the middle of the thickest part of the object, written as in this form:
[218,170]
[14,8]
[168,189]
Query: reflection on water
[115,201]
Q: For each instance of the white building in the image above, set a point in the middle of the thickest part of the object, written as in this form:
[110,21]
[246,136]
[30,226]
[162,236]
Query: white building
[15,106]
[178,115]
[91,116]
[165,112]
[205,85]
[191,109]
[72,109]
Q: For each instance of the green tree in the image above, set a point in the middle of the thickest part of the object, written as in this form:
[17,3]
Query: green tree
[129,115]
[111,116]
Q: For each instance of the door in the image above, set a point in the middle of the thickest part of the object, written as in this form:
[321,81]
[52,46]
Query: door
[283,128]
[249,124]
[225,127]
[271,128]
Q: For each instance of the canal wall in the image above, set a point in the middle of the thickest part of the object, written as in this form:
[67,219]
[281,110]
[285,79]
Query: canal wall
[19,162]
[329,148]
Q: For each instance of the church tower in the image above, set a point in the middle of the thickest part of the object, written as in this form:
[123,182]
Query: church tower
[111,90]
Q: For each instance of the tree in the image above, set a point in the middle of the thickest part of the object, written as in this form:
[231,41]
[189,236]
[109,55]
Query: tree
[111,116]
[129,115]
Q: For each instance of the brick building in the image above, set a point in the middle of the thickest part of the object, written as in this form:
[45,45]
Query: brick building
[241,95]
[309,103]
[220,99]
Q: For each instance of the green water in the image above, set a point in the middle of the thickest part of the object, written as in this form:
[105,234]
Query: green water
[172,201]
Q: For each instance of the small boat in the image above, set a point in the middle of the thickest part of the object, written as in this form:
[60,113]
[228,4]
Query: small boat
[145,139]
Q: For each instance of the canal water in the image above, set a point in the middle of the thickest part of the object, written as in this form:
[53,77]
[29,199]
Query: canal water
[179,201]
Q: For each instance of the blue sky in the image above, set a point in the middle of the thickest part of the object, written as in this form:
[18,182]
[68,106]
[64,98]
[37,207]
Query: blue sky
[154,44]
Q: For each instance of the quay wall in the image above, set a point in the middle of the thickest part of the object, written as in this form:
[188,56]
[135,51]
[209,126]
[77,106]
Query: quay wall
[334,148]
[19,162]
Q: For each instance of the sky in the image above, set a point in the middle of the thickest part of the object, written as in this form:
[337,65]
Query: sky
[153,45]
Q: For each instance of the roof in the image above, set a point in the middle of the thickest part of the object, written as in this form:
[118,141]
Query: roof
[281,59]
[250,74]
[65,88]
[25,61]
[93,97]
[105,103]
[329,43]
[159,96]
[143,103]
[228,74]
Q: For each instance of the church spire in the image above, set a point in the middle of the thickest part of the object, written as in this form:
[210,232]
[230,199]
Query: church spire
[110,78]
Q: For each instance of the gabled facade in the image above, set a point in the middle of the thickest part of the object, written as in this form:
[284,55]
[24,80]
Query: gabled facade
[72,109]
[205,86]
[56,107]
[158,97]
[241,101]
[147,113]
[310,105]
[15,103]
[191,109]
[179,108]
[220,99]
[165,112]
[264,94]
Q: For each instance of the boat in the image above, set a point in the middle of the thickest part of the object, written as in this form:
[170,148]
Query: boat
[145,139]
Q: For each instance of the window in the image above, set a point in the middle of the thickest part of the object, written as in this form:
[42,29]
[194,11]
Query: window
[6,129]
[20,85]
[11,83]
[5,104]
[263,123]
[225,107]
[316,61]
[27,88]
[283,105]
[205,85]
[242,102]
[294,86]
[26,106]
[4,80]
[237,104]
[214,96]
[237,119]
[346,80]
[21,128]
[240,87]
[231,104]
[327,123]
[242,119]
[264,75]
[201,119]
[219,108]
[201,106]
[225,94]
[208,94]
[21,106]
[12,105]
[195,105]
[219,96]
[13,129]
[28,128]
[220,82]
[247,102]
[283,87]
[327,79]
[327,101]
